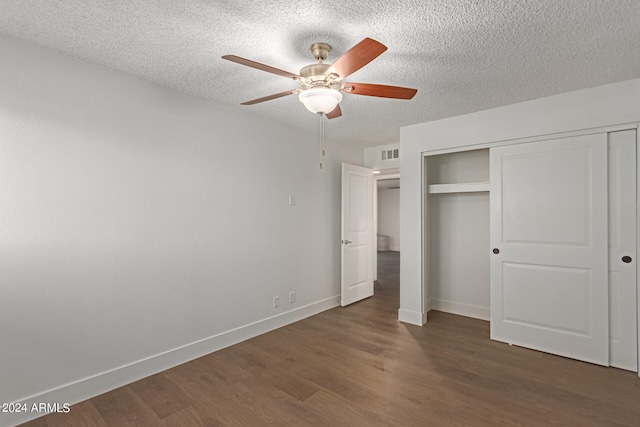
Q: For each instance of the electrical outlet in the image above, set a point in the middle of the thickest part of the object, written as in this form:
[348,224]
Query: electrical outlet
[276,302]
[292,297]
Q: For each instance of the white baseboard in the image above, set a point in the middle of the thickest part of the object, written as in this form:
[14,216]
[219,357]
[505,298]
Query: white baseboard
[468,310]
[103,382]
[412,317]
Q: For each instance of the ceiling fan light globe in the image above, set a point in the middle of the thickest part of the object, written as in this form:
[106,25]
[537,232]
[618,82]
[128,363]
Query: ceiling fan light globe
[320,100]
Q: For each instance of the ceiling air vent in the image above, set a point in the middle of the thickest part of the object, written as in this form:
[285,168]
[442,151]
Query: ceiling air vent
[390,154]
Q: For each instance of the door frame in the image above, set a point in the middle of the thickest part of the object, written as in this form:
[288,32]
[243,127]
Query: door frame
[471,146]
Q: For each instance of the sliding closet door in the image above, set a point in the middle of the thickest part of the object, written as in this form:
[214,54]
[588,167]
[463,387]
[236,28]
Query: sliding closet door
[549,260]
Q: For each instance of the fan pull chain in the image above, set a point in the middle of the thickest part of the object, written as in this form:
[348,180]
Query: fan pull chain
[321,138]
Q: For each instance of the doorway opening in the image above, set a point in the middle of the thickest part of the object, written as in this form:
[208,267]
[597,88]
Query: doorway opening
[387,226]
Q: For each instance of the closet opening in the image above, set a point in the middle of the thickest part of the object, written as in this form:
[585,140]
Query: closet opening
[456,224]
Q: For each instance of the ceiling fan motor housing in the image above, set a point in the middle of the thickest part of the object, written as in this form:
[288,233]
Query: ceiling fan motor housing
[314,71]
[314,75]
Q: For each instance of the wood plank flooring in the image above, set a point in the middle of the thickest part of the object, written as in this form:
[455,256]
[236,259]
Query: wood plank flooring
[358,366]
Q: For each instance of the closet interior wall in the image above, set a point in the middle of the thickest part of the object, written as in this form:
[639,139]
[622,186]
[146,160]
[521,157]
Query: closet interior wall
[457,232]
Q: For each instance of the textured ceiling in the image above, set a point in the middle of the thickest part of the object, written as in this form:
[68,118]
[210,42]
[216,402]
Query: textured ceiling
[462,56]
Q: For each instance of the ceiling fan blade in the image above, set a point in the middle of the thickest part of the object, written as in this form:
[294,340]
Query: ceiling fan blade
[356,57]
[270,97]
[336,112]
[259,66]
[382,91]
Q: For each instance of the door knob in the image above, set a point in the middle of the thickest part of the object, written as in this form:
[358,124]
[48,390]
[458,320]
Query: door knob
[346,242]
[496,251]
[626,259]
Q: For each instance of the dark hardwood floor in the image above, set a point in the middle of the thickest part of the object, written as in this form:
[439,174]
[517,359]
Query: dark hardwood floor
[358,366]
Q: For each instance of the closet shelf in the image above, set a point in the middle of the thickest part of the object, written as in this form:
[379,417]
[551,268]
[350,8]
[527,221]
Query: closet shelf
[467,187]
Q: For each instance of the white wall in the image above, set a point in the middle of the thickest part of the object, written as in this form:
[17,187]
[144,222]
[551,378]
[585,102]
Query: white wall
[141,227]
[608,105]
[458,254]
[389,214]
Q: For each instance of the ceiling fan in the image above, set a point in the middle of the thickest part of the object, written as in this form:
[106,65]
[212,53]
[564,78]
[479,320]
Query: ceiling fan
[322,85]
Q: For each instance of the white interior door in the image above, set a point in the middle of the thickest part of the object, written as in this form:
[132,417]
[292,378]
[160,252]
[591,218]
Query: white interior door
[357,233]
[623,348]
[549,266]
